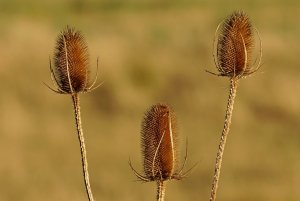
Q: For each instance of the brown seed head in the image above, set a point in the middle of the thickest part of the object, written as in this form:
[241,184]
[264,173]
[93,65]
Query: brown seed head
[159,143]
[234,46]
[71,60]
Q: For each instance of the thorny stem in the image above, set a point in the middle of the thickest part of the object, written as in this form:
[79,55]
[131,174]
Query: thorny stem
[161,189]
[75,99]
[227,122]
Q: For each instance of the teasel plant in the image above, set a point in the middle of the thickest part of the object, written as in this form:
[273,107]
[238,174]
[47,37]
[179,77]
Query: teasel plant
[159,143]
[234,47]
[71,75]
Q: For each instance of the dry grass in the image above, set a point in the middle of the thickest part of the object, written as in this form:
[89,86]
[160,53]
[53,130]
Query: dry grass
[148,55]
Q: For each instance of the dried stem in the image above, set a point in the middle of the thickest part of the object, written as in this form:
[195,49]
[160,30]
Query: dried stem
[227,122]
[161,189]
[75,99]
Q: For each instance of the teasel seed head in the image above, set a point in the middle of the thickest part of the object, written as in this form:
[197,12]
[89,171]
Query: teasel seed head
[159,145]
[71,63]
[234,46]
[159,142]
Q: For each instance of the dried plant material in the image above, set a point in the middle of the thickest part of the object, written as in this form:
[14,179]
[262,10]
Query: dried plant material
[159,148]
[71,63]
[235,44]
[71,76]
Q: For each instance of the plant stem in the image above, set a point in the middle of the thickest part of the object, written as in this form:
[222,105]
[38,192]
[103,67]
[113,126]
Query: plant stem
[227,122]
[161,189]
[75,99]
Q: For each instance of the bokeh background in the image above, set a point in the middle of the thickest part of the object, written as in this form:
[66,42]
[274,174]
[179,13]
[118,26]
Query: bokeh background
[149,51]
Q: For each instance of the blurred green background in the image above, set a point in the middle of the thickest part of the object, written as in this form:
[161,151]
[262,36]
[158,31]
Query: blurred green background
[149,51]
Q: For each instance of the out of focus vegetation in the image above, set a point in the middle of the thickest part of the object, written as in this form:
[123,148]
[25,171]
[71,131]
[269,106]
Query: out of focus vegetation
[149,51]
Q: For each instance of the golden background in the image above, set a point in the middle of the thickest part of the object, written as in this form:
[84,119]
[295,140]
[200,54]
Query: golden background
[149,51]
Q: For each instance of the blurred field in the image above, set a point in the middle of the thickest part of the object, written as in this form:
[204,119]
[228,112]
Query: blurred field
[150,51]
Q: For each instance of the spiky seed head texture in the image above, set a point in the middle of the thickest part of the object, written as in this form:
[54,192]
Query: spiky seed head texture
[159,142]
[234,46]
[71,60]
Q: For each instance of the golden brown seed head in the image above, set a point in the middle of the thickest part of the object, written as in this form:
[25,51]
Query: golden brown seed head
[71,60]
[234,46]
[159,143]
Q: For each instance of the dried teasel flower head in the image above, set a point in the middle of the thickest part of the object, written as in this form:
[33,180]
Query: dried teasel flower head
[234,46]
[71,61]
[159,145]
